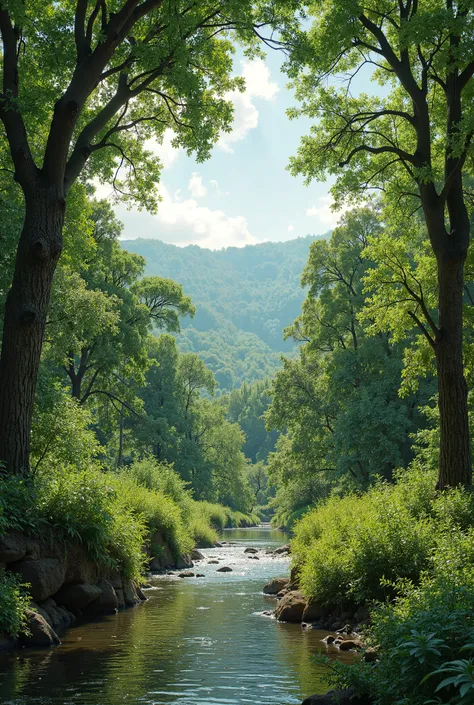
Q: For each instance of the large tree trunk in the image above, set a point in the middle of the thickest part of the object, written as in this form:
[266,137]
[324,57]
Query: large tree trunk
[454,459]
[26,308]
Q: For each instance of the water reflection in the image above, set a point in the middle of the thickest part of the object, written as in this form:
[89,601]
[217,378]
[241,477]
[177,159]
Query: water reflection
[199,640]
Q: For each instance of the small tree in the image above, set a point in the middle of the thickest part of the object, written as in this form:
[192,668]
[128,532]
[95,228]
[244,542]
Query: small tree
[412,142]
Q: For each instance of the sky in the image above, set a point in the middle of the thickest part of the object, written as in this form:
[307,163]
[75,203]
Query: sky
[243,194]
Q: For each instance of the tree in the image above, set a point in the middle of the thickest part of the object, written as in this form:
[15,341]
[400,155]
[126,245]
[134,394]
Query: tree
[85,85]
[246,406]
[102,314]
[412,142]
[339,400]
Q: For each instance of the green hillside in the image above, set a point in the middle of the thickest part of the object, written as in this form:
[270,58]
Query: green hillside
[244,298]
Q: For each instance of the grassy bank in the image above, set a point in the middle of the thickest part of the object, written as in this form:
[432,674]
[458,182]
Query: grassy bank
[406,551]
[113,514]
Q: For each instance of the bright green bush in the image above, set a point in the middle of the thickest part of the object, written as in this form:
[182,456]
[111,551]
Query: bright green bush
[79,505]
[422,633]
[111,515]
[14,601]
[161,477]
[347,547]
[204,535]
[216,514]
[158,512]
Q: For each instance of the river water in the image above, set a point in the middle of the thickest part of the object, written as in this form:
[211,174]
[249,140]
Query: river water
[196,641]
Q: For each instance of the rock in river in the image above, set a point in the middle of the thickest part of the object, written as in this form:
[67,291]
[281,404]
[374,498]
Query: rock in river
[336,697]
[283,550]
[291,607]
[224,569]
[40,633]
[251,550]
[275,585]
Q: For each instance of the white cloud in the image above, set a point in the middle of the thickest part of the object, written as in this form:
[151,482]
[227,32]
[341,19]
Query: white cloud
[324,214]
[291,228]
[257,85]
[164,150]
[214,183]
[196,187]
[185,222]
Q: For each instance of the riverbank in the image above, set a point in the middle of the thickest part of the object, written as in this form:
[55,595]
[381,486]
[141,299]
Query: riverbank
[194,641]
[77,544]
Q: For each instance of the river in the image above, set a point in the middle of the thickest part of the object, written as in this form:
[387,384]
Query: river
[196,641]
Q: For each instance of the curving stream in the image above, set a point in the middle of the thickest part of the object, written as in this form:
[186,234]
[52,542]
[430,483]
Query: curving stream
[195,641]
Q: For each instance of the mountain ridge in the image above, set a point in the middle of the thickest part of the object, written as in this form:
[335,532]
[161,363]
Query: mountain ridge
[244,298]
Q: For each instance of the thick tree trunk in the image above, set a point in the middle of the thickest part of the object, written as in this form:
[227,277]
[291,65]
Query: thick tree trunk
[26,308]
[454,459]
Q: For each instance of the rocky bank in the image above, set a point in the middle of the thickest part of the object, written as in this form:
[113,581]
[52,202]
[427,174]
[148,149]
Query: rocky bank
[65,584]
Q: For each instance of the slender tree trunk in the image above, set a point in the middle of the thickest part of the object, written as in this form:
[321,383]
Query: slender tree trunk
[26,308]
[120,448]
[454,459]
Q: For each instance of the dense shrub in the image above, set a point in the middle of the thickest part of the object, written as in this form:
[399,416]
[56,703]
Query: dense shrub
[349,548]
[420,634]
[13,602]
[160,477]
[17,503]
[158,512]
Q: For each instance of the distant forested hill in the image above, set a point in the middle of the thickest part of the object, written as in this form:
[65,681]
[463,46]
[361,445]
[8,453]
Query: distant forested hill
[244,298]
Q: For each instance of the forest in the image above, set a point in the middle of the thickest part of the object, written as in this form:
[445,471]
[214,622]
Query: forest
[244,298]
[152,397]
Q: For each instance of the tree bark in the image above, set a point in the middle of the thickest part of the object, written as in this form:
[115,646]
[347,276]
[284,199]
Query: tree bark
[454,458]
[26,308]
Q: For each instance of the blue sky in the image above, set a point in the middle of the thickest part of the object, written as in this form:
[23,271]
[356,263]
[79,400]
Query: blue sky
[243,194]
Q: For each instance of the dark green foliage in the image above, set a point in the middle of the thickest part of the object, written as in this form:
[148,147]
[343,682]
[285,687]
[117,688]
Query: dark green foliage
[244,298]
[17,498]
[184,426]
[247,406]
[14,601]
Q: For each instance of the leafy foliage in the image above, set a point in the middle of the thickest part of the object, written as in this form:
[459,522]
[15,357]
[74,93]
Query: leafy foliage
[424,636]
[14,601]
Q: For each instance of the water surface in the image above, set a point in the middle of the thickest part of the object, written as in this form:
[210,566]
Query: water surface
[196,641]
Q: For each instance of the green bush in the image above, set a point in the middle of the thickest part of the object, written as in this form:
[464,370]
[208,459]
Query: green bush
[111,515]
[161,477]
[420,634]
[158,512]
[216,514]
[79,505]
[204,535]
[352,548]
[17,503]
[14,601]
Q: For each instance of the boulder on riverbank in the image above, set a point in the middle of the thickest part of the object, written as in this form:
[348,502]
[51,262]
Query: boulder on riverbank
[13,547]
[44,575]
[38,632]
[336,697]
[313,612]
[275,585]
[77,597]
[291,607]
